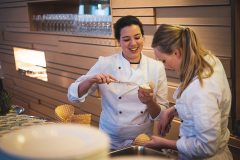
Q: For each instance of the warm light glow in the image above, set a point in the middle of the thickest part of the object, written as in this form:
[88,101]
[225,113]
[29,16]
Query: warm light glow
[30,56]
[31,63]
[21,139]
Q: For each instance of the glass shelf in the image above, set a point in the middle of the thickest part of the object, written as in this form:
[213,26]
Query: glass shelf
[87,18]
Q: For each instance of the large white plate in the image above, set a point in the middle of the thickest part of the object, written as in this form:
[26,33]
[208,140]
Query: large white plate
[55,141]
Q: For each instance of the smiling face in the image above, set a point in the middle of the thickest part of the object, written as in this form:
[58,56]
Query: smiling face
[171,61]
[131,42]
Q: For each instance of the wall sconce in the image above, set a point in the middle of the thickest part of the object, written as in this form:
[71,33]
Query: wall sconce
[31,63]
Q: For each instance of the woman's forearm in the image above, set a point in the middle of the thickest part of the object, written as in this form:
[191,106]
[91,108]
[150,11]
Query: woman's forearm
[171,144]
[153,109]
[84,86]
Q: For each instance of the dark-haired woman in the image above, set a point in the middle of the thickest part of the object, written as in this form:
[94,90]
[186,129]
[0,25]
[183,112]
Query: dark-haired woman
[125,113]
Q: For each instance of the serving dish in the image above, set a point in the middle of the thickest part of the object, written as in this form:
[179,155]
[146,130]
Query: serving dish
[55,141]
[141,151]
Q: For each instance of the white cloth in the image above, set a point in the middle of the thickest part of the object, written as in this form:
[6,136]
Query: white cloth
[204,111]
[123,115]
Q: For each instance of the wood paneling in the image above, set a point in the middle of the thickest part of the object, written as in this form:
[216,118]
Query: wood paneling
[88,40]
[144,20]
[68,68]
[215,39]
[70,55]
[10,1]
[59,80]
[237,58]
[76,61]
[31,37]
[18,14]
[15,44]
[87,50]
[6,58]
[219,15]
[43,110]
[165,3]
[134,12]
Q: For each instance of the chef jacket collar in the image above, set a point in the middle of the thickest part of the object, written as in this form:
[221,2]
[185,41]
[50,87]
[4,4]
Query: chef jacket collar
[125,62]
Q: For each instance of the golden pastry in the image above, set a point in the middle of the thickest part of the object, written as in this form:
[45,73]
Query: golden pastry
[64,112]
[141,139]
[81,119]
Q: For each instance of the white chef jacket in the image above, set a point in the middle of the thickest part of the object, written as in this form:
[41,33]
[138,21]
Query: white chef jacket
[123,116]
[204,111]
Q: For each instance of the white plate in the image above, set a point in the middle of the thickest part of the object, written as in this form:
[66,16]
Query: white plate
[55,141]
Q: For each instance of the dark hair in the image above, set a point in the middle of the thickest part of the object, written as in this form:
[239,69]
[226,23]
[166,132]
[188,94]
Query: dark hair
[126,21]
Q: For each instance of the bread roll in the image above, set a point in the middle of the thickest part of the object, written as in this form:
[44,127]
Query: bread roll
[141,139]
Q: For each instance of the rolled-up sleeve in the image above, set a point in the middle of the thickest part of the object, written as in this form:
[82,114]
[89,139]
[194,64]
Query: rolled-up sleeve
[73,88]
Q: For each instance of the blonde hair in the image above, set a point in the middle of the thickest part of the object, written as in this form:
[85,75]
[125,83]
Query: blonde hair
[170,37]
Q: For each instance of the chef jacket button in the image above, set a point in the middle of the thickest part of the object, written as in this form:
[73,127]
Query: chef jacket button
[119,67]
[142,112]
[179,137]
[119,97]
[120,112]
[181,120]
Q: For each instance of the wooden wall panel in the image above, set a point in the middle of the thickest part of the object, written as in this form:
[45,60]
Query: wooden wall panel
[16,25]
[62,73]
[28,93]
[31,37]
[91,105]
[236,60]
[68,56]
[19,14]
[134,12]
[10,1]
[216,39]
[88,40]
[164,3]
[15,44]
[65,59]
[59,80]
[18,29]
[6,58]
[171,90]
[7,47]
[149,29]
[41,89]
[43,110]
[71,69]
[217,15]
[13,4]
[87,50]
[45,47]
[144,20]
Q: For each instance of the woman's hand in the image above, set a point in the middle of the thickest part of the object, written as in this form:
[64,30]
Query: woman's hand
[156,142]
[102,78]
[145,95]
[165,119]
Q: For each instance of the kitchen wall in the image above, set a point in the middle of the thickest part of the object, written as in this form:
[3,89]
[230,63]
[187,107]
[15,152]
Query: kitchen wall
[70,55]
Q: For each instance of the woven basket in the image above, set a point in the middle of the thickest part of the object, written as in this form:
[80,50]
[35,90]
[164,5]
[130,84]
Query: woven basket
[81,119]
[64,112]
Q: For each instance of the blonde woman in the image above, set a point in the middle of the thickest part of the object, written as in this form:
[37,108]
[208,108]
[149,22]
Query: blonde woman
[203,98]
